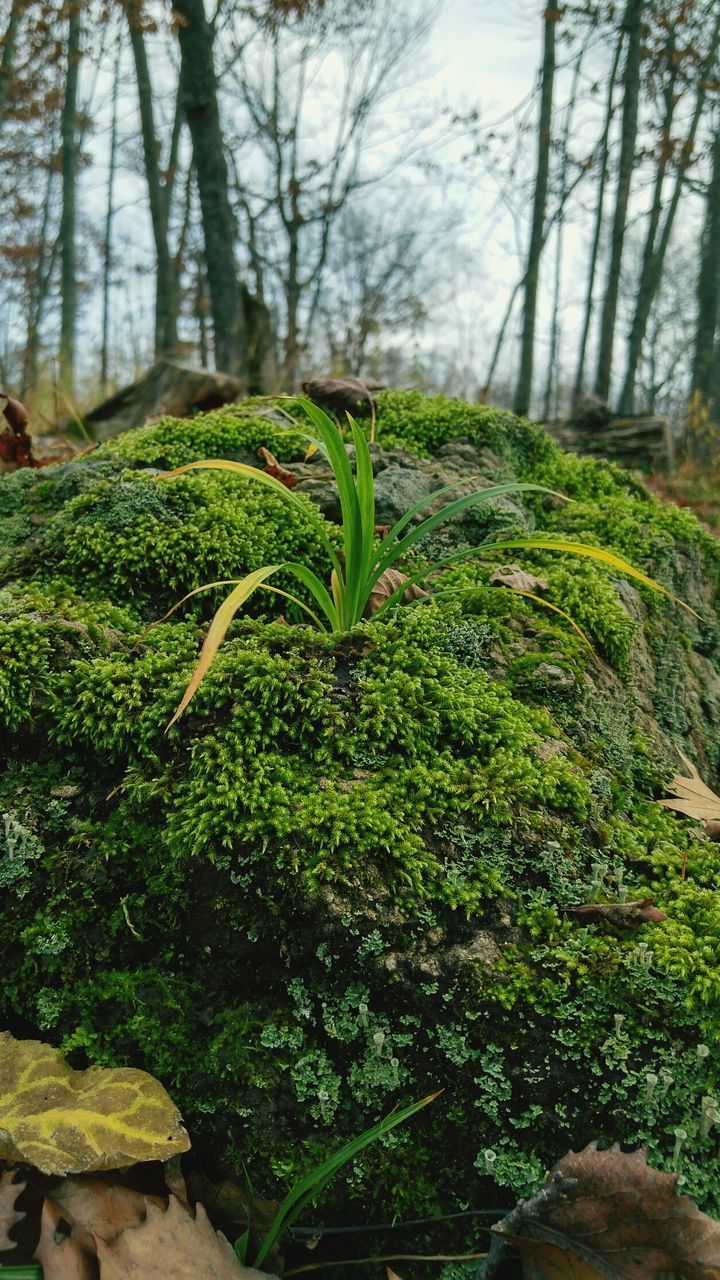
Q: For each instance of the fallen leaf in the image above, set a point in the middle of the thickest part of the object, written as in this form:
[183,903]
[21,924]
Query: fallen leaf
[101,1209]
[691,796]
[65,1254]
[276,469]
[344,395]
[9,1216]
[171,1245]
[64,1121]
[386,585]
[607,1214]
[15,442]
[517,578]
[622,914]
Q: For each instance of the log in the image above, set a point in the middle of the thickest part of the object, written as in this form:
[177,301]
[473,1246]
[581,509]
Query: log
[168,389]
[643,443]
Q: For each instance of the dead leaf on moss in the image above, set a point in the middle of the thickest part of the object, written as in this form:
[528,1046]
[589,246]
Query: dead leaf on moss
[608,1214]
[65,1252]
[102,1209]
[386,585]
[691,796]
[517,578]
[622,914]
[171,1245]
[276,469]
[64,1121]
[9,1215]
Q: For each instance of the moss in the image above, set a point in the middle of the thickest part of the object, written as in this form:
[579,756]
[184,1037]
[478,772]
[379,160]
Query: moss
[342,879]
[233,432]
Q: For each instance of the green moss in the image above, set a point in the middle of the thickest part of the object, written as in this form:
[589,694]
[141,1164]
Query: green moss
[342,879]
[233,432]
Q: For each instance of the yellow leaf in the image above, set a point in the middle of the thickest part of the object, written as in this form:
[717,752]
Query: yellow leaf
[64,1121]
[218,628]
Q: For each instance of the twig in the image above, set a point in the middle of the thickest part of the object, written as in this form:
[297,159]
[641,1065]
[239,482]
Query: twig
[391,1257]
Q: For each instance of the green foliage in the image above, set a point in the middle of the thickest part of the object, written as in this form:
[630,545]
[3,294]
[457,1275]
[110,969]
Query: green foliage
[340,880]
[233,432]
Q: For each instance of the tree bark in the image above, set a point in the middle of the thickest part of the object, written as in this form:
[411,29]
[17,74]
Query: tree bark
[532,275]
[632,23]
[68,307]
[8,56]
[654,259]
[704,373]
[597,232]
[199,90]
[165,276]
[107,239]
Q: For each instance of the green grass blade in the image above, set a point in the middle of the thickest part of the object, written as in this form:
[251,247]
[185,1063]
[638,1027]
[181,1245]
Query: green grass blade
[314,1182]
[287,595]
[218,630]
[317,589]
[365,486]
[389,554]
[347,492]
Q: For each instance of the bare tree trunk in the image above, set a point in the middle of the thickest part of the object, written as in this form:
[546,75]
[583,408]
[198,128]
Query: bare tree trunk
[597,232]
[704,373]
[632,23]
[165,325]
[199,91]
[68,309]
[40,278]
[107,240]
[532,274]
[8,56]
[654,258]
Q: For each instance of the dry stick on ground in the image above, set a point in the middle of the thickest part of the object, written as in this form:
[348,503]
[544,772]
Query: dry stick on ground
[391,1257]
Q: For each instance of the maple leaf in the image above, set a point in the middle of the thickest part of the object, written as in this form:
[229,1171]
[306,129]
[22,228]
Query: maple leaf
[518,579]
[691,796]
[606,1215]
[621,914]
[64,1121]
[64,1256]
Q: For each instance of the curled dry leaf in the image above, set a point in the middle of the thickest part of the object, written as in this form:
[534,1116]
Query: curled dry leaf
[171,1245]
[692,797]
[101,1209]
[64,1121]
[276,469]
[386,585]
[343,395]
[623,915]
[608,1214]
[9,1215]
[517,578]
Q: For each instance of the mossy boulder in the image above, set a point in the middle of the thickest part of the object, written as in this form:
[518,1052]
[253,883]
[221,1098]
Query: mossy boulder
[341,880]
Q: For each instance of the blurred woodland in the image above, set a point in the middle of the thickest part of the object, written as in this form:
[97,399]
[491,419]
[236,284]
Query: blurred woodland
[280,190]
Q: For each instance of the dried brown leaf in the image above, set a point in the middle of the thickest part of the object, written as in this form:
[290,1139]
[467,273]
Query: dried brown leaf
[276,469]
[101,1209]
[66,1252]
[386,585]
[608,1214]
[691,796]
[517,578]
[64,1121]
[171,1245]
[9,1215]
[622,914]
[343,395]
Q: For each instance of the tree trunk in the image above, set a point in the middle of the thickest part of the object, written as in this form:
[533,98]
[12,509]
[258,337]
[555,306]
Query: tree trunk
[68,308]
[107,240]
[704,373]
[632,23]
[199,90]
[597,232]
[165,278]
[532,275]
[8,56]
[654,260]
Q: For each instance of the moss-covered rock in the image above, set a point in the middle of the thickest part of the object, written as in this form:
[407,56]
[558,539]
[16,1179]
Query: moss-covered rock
[341,880]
